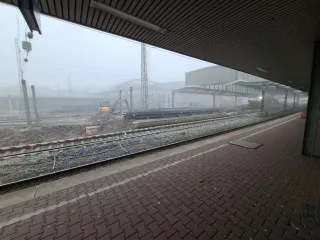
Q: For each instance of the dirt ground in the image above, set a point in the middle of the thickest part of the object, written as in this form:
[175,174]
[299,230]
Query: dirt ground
[19,135]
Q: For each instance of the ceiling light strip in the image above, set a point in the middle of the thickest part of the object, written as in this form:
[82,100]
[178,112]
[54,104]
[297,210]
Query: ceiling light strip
[126,16]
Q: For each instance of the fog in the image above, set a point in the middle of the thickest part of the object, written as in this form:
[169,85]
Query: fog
[92,60]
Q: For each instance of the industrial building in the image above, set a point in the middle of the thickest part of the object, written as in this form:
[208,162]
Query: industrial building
[215,75]
[231,89]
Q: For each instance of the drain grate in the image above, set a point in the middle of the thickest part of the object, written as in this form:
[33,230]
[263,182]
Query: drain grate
[246,144]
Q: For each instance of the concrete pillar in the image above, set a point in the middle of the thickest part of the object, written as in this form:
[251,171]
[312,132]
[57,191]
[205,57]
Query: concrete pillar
[168,100]
[294,100]
[263,94]
[173,93]
[310,130]
[285,100]
[213,101]
[10,105]
[120,100]
[26,101]
[35,107]
[131,99]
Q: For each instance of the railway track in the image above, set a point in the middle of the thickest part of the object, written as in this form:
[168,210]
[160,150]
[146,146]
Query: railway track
[55,157]
[51,147]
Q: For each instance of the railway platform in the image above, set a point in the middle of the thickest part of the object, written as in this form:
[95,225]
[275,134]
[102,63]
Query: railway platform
[208,189]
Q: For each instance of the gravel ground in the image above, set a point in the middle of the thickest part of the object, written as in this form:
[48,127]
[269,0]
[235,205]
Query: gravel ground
[13,136]
[17,169]
[20,135]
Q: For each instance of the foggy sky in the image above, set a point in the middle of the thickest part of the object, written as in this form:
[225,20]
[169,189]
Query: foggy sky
[93,60]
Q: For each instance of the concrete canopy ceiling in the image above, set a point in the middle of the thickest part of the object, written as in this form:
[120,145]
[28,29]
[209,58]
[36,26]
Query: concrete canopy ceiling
[273,35]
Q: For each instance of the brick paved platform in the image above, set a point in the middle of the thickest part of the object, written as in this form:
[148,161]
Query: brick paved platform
[213,192]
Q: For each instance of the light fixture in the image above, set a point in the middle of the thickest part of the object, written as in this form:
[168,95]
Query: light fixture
[262,69]
[126,16]
[289,81]
[31,13]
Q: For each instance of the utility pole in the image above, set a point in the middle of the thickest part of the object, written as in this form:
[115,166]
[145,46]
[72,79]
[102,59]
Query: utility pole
[19,66]
[26,101]
[70,90]
[152,101]
[120,100]
[131,100]
[10,105]
[18,59]
[144,78]
[172,99]
[35,107]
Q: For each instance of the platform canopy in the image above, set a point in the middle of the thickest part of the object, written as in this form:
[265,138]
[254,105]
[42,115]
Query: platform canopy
[271,39]
[279,88]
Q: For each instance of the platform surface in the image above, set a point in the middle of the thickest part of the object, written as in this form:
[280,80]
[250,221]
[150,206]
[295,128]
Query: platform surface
[214,191]
[245,144]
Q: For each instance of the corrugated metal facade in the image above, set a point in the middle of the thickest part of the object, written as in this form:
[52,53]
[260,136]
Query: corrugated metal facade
[217,75]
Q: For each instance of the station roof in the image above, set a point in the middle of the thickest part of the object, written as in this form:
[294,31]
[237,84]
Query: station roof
[220,92]
[261,84]
[271,39]
[280,88]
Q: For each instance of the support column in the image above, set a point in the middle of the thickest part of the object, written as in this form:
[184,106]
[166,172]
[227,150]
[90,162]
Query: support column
[120,100]
[213,101]
[294,100]
[131,99]
[26,101]
[173,93]
[285,100]
[313,104]
[263,94]
[35,107]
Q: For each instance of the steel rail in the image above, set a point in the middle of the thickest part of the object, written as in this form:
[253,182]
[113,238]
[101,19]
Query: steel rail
[105,138]
[69,170]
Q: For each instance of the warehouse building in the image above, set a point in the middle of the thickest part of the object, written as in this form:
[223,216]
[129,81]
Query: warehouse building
[226,88]
[215,75]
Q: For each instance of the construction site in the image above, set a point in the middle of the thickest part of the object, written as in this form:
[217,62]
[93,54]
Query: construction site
[58,132]
[135,116]
[213,91]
